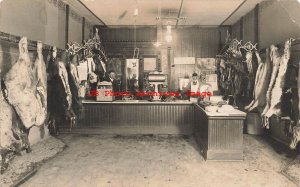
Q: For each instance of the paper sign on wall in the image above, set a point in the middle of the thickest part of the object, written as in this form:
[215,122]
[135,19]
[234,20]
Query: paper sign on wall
[149,64]
[184,60]
[206,64]
[132,71]
[212,79]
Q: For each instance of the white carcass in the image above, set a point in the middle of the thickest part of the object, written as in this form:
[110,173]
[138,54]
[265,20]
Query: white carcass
[22,89]
[262,80]
[40,76]
[277,89]
[10,139]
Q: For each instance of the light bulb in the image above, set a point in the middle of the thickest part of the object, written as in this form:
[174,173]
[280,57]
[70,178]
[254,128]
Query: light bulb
[169,29]
[157,44]
[169,38]
[136,12]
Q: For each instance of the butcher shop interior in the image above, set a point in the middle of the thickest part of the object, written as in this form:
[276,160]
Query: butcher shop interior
[150,93]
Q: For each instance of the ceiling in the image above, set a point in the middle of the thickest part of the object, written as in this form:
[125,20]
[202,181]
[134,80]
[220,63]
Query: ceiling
[193,12]
[84,11]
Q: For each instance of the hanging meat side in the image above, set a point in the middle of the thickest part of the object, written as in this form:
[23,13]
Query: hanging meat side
[74,87]
[275,58]
[22,92]
[250,73]
[10,142]
[262,80]
[250,69]
[277,90]
[296,129]
[238,79]
[63,75]
[64,93]
[40,76]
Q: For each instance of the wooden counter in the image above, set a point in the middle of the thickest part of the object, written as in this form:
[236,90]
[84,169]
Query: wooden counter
[135,117]
[220,135]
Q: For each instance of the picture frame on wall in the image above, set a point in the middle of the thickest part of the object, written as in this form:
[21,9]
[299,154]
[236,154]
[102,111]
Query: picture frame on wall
[150,64]
[184,60]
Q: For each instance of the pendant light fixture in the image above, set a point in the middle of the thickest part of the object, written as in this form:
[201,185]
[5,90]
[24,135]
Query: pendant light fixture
[158,27]
[169,33]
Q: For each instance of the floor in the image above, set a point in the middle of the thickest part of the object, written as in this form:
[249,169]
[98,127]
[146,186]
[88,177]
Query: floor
[23,165]
[115,161]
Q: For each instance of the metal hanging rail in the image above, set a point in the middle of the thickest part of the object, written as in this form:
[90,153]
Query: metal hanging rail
[31,43]
[294,43]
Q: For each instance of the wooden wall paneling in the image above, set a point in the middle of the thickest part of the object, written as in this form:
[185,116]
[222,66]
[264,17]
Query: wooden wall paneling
[187,42]
[235,30]
[193,42]
[277,23]
[249,31]
[67,25]
[169,67]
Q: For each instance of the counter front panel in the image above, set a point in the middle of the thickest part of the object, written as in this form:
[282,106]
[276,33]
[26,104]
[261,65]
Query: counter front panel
[136,118]
[220,135]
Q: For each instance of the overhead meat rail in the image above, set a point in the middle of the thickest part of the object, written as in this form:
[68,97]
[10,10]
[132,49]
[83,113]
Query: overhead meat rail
[294,43]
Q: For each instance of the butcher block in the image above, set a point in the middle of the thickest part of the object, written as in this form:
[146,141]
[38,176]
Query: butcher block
[220,135]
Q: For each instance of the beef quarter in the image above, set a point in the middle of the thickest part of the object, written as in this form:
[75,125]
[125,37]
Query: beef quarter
[22,91]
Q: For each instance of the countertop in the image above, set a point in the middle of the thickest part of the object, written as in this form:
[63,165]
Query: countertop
[177,102]
[231,113]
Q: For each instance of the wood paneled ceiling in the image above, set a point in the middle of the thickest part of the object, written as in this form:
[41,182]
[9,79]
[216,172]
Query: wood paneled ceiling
[190,12]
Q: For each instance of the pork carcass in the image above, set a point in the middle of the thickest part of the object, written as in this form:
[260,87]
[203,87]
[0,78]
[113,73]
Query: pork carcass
[262,80]
[22,91]
[277,90]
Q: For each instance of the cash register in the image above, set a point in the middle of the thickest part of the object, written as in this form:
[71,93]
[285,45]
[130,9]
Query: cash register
[105,92]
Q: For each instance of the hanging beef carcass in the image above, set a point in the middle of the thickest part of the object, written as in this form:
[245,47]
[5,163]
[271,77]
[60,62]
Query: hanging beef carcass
[74,84]
[251,61]
[52,101]
[262,81]
[239,76]
[22,91]
[59,93]
[277,90]
[275,59]
[10,142]
[63,93]
[40,76]
[68,111]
